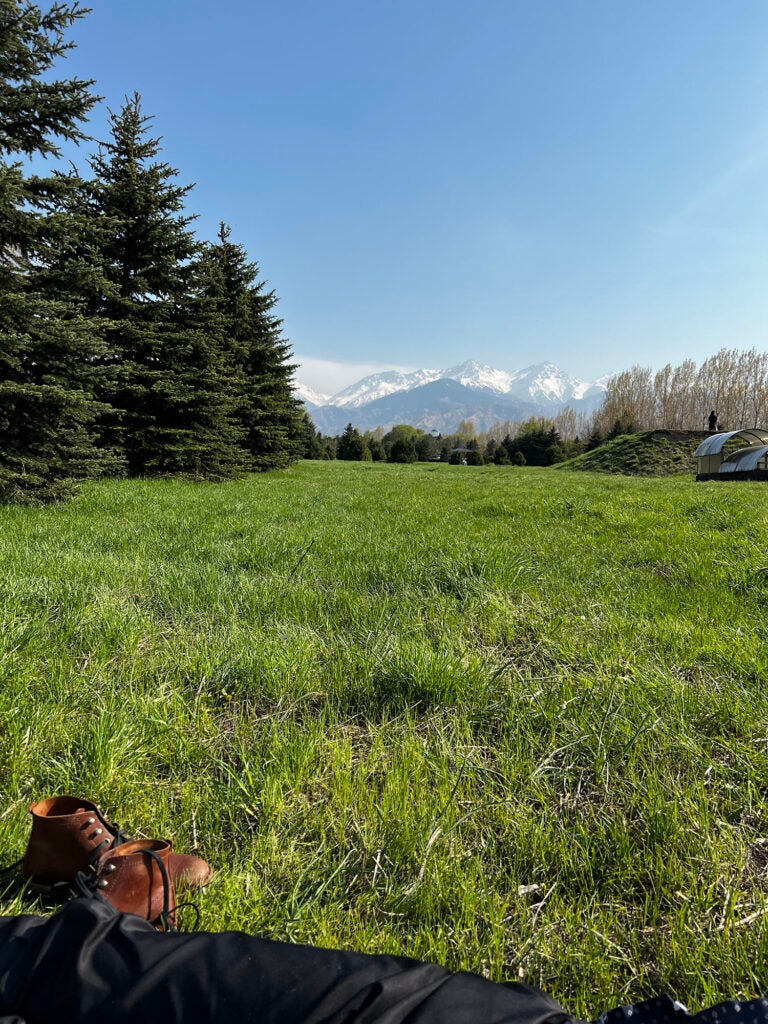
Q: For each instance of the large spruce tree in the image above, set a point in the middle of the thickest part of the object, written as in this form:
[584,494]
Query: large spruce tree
[49,344]
[165,372]
[273,413]
[257,355]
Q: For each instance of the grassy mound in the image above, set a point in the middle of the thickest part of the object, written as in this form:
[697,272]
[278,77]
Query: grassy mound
[652,453]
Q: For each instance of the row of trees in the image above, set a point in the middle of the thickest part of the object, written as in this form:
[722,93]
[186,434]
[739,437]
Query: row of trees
[127,345]
[733,383]
[536,442]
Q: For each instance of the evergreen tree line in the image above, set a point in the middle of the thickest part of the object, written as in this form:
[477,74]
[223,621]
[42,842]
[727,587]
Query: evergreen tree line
[127,345]
[536,442]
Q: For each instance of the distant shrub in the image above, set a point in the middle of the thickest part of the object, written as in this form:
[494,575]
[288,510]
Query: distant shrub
[403,450]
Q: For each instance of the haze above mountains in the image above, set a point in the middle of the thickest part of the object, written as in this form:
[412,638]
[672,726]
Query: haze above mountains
[440,399]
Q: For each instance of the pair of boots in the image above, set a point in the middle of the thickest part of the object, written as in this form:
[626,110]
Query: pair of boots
[72,846]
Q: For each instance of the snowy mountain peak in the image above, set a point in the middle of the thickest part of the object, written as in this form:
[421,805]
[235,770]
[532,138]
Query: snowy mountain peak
[466,369]
[378,385]
[306,394]
[476,375]
[542,385]
[547,384]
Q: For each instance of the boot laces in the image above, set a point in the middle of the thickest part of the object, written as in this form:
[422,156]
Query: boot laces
[87,886]
[115,838]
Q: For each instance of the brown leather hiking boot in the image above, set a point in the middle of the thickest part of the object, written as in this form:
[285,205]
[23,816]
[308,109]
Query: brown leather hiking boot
[135,879]
[71,835]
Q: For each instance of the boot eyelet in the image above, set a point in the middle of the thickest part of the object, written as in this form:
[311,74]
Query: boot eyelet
[91,821]
[109,868]
[102,884]
[98,831]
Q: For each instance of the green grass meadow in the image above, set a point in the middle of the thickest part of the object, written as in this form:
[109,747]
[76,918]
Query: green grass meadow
[511,720]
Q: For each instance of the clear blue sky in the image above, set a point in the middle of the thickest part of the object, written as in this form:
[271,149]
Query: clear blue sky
[425,181]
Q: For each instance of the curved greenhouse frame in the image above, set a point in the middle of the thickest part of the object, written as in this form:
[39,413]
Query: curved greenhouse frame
[712,464]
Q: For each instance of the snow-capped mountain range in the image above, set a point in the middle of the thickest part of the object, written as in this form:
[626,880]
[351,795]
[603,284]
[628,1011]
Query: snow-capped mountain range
[439,399]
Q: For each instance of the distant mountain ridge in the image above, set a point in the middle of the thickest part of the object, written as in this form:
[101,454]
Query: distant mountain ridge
[440,399]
